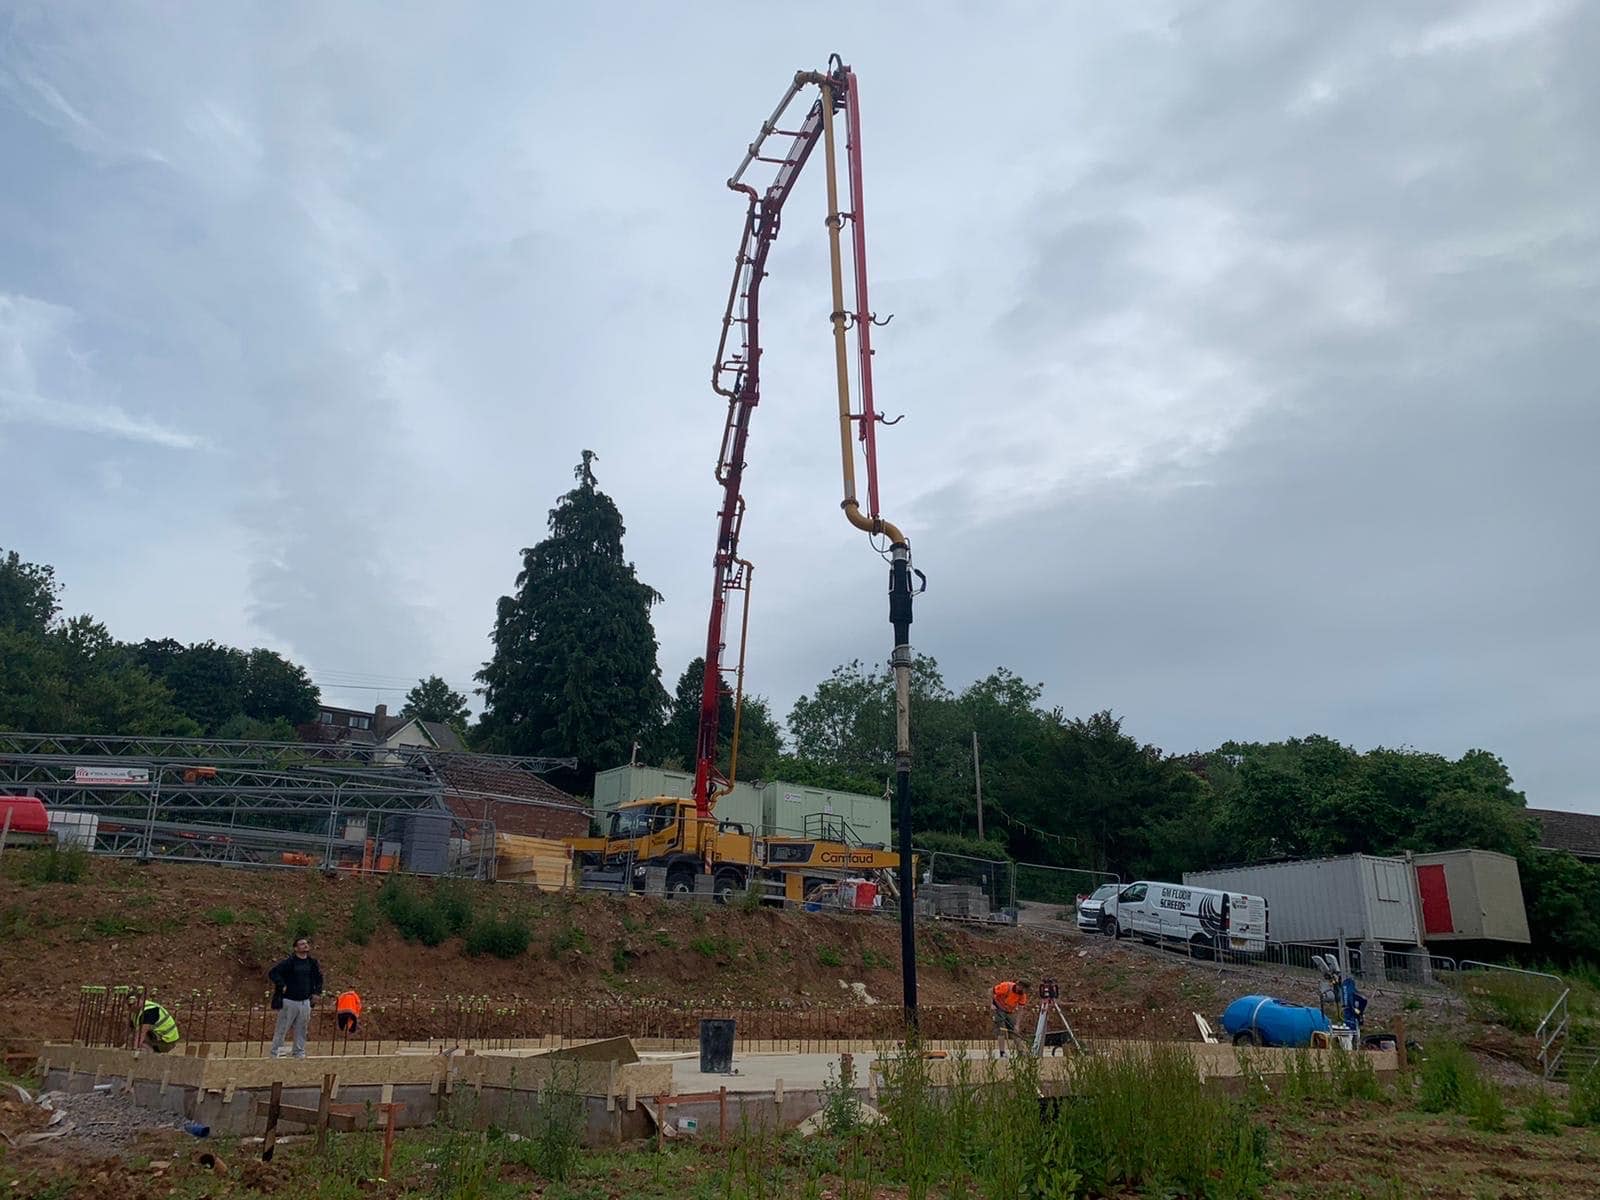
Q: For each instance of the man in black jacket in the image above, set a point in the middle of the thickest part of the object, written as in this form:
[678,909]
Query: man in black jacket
[296,982]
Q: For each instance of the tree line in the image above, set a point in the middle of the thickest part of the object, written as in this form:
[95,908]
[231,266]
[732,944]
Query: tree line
[574,672]
[70,675]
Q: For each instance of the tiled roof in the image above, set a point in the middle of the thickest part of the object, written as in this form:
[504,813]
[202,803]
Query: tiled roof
[554,815]
[1577,833]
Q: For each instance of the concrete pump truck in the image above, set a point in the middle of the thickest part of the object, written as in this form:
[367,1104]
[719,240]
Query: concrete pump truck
[683,835]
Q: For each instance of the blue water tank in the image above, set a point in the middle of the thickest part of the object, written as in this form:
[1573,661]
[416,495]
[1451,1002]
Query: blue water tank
[1274,1022]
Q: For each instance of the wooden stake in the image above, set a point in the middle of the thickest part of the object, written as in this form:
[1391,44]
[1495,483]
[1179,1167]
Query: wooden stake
[388,1140]
[274,1107]
[1400,1040]
[322,1111]
[722,1114]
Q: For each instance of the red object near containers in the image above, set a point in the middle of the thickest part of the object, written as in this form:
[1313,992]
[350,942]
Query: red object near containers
[1436,915]
[27,814]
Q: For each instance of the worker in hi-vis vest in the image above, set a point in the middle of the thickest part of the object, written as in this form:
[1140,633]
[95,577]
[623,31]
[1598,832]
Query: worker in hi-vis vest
[152,1026]
[1008,999]
[347,1011]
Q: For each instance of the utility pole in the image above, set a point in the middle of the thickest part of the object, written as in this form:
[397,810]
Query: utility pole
[977,782]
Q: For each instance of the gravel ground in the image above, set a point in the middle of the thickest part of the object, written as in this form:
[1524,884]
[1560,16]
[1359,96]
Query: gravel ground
[110,1120]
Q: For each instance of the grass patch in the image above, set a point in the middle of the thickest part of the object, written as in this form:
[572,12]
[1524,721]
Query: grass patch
[49,864]
[714,946]
[664,940]
[874,960]
[223,916]
[1517,1002]
[112,926]
[569,937]
[829,957]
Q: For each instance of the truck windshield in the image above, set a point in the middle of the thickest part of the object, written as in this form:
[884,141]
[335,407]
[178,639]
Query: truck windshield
[640,822]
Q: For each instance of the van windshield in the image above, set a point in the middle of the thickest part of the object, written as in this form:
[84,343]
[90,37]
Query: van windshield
[1105,891]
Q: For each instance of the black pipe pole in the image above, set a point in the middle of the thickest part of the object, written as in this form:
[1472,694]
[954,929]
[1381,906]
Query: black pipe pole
[900,617]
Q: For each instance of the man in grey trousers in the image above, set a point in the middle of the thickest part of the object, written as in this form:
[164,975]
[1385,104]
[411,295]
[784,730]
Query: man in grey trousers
[296,981]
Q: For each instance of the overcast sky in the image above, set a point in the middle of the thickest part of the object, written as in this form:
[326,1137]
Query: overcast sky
[1248,351]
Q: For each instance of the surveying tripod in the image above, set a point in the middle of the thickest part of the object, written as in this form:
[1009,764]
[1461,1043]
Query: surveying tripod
[1050,1001]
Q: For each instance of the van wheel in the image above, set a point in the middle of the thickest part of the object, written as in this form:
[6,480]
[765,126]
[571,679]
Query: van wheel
[1200,947]
[680,883]
[1247,1037]
[1110,929]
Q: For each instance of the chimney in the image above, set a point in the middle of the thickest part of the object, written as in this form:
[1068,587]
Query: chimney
[379,716]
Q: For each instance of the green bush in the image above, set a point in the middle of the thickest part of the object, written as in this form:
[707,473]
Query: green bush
[1541,1116]
[829,957]
[417,919]
[504,936]
[363,921]
[1486,1111]
[1583,1097]
[453,900]
[1448,1077]
[302,924]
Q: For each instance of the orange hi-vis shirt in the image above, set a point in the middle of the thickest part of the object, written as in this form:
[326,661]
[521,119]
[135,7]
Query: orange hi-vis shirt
[348,1002]
[1007,998]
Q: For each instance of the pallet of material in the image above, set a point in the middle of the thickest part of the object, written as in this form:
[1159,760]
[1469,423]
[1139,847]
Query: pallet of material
[543,862]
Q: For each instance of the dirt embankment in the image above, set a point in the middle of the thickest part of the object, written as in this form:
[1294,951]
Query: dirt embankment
[216,930]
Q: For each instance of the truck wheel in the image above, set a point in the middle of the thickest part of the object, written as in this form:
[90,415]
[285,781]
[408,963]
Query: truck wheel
[680,883]
[1110,929]
[727,886]
[1247,1037]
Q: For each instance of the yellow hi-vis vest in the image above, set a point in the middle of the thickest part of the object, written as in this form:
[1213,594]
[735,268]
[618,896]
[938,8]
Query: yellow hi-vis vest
[165,1028]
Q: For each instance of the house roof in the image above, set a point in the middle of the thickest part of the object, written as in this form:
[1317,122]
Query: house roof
[443,736]
[1575,832]
[471,780]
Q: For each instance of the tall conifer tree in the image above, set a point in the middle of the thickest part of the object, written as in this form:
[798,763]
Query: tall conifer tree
[574,667]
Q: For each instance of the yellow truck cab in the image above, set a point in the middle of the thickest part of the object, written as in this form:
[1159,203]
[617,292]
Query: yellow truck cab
[666,832]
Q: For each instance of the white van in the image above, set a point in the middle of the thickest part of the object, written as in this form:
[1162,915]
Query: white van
[1202,917]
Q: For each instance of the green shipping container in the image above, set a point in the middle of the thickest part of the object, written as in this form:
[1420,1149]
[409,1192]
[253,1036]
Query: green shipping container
[774,809]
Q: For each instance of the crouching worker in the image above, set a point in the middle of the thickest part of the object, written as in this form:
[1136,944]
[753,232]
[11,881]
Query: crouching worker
[347,1012]
[153,1026]
[1008,999]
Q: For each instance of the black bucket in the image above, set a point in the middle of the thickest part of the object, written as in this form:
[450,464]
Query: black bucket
[716,1047]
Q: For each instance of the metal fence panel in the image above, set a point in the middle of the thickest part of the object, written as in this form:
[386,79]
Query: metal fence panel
[974,889]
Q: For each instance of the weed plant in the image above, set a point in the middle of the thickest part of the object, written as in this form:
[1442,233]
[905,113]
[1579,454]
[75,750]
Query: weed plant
[1583,1097]
[1448,1078]
[50,864]
[1486,1111]
[1541,1116]
[363,923]
[1134,1120]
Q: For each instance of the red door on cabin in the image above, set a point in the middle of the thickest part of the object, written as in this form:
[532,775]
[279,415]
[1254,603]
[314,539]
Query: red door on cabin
[1436,917]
